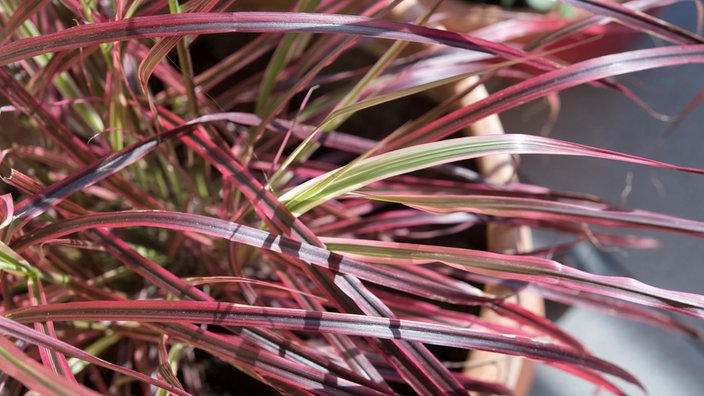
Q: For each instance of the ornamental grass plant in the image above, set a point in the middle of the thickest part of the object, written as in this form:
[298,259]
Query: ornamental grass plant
[214,196]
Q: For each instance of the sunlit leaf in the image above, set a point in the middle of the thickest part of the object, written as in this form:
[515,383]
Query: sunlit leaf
[335,183]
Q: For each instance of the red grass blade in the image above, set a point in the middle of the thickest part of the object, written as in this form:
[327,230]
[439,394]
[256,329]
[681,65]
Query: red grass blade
[621,309]
[7,209]
[302,320]
[160,50]
[637,20]
[268,207]
[170,283]
[208,23]
[554,81]
[56,362]
[541,210]
[529,269]
[249,236]
[413,361]
[585,23]
[11,328]
[281,369]
[593,377]
[34,376]
[94,173]
[23,12]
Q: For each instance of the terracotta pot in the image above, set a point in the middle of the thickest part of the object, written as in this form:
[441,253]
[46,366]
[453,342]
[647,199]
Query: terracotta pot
[512,371]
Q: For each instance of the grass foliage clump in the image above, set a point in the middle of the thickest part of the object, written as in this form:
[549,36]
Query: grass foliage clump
[210,195]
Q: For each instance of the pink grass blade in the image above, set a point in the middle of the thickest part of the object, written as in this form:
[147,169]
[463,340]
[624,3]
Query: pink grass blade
[592,376]
[554,81]
[399,223]
[165,369]
[30,105]
[236,280]
[51,359]
[531,208]
[24,11]
[517,28]
[146,268]
[531,324]
[265,22]
[621,309]
[163,278]
[7,210]
[527,269]
[302,320]
[337,140]
[287,373]
[537,321]
[254,190]
[685,112]
[34,376]
[637,20]
[70,143]
[415,363]
[95,172]
[11,328]
[161,49]
[586,23]
[252,237]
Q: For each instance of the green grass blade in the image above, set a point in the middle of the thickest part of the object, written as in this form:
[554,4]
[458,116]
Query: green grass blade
[18,365]
[335,183]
